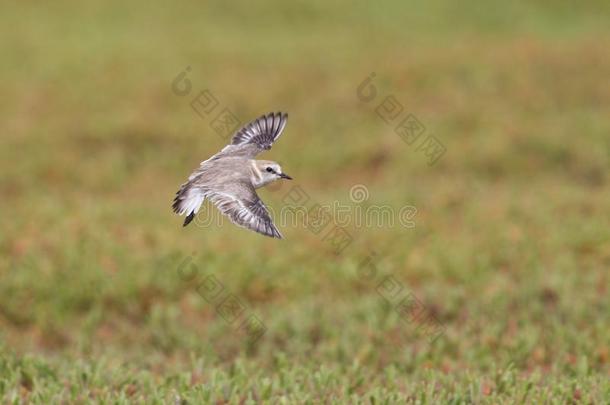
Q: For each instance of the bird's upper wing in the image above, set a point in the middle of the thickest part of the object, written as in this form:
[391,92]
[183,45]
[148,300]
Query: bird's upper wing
[244,208]
[261,132]
[256,136]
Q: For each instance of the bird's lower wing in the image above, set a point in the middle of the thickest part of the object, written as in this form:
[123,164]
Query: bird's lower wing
[249,212]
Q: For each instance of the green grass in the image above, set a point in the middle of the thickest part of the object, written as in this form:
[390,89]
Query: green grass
[511,246]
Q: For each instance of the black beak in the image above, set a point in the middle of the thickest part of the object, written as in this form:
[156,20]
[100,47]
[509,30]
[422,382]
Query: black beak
[285,176]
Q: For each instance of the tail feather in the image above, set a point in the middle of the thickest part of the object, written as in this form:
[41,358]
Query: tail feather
[188,219]
[188,200]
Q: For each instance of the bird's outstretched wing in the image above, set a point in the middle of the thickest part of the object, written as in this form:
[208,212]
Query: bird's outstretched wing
[246,210]
[255,137]
[261,132]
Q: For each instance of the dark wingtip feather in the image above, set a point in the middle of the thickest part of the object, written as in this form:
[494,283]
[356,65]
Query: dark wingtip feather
[189,218]
[179,198]
[176,205]
[276,233]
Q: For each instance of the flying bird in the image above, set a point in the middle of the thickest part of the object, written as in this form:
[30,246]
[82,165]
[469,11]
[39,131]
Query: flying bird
[229,179]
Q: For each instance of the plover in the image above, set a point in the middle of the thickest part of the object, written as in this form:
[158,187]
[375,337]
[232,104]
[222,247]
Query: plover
[229,178]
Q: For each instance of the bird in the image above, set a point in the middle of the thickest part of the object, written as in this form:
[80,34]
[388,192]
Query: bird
[229,178]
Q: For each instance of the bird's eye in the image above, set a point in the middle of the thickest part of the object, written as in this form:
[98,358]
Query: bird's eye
[270,169]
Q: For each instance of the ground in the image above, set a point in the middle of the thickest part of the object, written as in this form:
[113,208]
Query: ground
[493,288]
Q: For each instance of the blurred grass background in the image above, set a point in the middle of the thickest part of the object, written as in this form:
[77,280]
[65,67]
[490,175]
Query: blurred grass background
[511,248]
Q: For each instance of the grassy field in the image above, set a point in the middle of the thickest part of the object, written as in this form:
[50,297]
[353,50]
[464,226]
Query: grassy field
[504,265]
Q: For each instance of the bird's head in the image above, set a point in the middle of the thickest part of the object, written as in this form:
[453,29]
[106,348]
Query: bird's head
[267,172]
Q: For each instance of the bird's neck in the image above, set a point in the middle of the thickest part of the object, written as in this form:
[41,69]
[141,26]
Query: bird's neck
[257,178]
